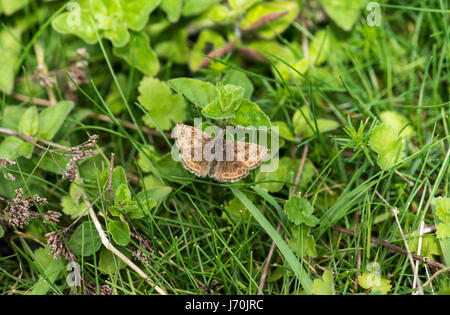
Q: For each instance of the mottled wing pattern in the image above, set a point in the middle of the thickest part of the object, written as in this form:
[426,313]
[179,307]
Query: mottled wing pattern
[191,141]
[239,158]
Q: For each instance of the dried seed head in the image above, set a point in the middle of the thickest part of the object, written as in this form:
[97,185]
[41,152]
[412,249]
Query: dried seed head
[145,244]
[106,290]
[4,162]
[52,217]
[19,210]
[57,245]
[39,200]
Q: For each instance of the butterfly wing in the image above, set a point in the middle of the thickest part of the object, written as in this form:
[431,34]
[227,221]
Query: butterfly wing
[191,141]
[239,158]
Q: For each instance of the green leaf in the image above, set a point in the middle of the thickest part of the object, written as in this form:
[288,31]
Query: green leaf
[10,7]
[164,108]
[175,48]
[320,47]
[120,232]
[302,243]
[299,210]
[207,41]
[72,207]
[443,208]
[123,194]
[284,130]
[85,240]
[172,9]
[240,79]
[249,114]
[136,12]
[343,12]
[119,35]
[138,54]
[28,125]
[398,122]
[10,47]
[429,247]
[374,282]
[324,286]
[443,230]
[194,7]
[9,148]
[11,117]
[109,263]
[2,231]
[67,23]
[389,146]
[52,118]
[51,271]
[271,181]
[263,10]
[198,92]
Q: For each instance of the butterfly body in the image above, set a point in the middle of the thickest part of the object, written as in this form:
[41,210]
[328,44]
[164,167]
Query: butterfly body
[225,161]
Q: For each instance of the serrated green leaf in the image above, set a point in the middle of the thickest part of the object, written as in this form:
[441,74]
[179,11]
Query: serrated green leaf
[164,107]
[138,53]
[85,240]
[299,210]
[52,118]
[374,282]
[120,232]
[28,125]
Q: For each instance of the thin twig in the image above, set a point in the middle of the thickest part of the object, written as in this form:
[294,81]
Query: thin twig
[393,247]
[111,248]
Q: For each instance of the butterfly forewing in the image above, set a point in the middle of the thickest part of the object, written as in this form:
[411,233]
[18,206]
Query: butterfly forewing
[222,160]
[191,142]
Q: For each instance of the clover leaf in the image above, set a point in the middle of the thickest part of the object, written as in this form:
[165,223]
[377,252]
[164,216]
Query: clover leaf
[442,206]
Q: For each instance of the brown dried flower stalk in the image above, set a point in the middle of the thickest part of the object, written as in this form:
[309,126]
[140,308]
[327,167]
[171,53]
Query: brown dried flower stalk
[145,244]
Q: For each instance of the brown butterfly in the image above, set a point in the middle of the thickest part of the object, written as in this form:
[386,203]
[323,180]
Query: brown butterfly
[225,161]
